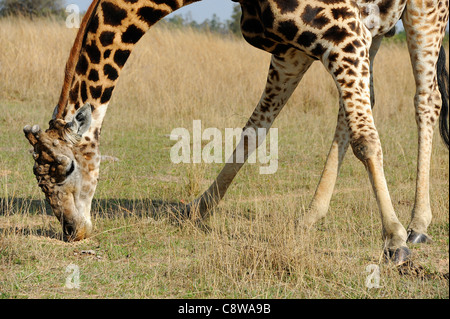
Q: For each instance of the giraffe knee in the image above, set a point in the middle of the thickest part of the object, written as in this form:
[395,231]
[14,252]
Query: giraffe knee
[366,148]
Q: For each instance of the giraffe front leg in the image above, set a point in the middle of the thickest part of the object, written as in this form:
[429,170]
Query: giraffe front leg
[354,88]
[427,105]
[284,75]
[320,203]
[366,146]
[424,31]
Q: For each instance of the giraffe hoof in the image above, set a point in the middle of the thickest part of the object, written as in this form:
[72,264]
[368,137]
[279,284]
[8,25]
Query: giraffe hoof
[398,256]
[418,238]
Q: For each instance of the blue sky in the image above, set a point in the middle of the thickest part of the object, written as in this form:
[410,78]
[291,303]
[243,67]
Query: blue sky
[199,11]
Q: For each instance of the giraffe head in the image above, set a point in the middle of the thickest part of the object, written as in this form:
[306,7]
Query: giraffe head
[67,158]
[62,171]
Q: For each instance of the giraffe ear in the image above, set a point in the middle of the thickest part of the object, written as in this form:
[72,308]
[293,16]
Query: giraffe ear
[81,121]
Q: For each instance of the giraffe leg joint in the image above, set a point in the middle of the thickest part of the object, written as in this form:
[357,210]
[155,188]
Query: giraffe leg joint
[365,148]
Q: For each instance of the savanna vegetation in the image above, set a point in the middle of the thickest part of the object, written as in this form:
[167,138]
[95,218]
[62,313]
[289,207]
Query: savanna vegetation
[251,247]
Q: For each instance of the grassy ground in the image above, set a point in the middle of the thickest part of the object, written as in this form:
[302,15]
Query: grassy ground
[253,249]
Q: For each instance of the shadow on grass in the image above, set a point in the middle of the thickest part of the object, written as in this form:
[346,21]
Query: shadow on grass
[110,208]
[175,212]
[30,230]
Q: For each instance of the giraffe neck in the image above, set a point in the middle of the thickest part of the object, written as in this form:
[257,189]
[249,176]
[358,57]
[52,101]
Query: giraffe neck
[109,33]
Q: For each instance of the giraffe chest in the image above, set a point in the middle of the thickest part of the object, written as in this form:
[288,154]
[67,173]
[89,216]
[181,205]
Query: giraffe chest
[277,25]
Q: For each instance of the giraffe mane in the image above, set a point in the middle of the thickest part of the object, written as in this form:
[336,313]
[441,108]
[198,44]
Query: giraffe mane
[73,59]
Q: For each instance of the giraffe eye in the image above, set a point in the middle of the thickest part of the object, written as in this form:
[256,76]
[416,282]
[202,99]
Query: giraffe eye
[71,169]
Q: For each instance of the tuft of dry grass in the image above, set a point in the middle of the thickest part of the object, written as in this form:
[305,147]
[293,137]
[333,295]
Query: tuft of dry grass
[251,247]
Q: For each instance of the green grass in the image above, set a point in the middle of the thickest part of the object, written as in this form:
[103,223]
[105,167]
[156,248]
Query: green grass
[252,250]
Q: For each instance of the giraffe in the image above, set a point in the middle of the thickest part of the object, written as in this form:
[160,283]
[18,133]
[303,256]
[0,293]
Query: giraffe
[343,35]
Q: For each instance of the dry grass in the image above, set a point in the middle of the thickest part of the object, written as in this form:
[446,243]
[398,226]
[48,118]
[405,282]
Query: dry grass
[253,249]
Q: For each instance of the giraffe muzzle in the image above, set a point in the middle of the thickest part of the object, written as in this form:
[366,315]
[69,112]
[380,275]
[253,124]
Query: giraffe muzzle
[75,230]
